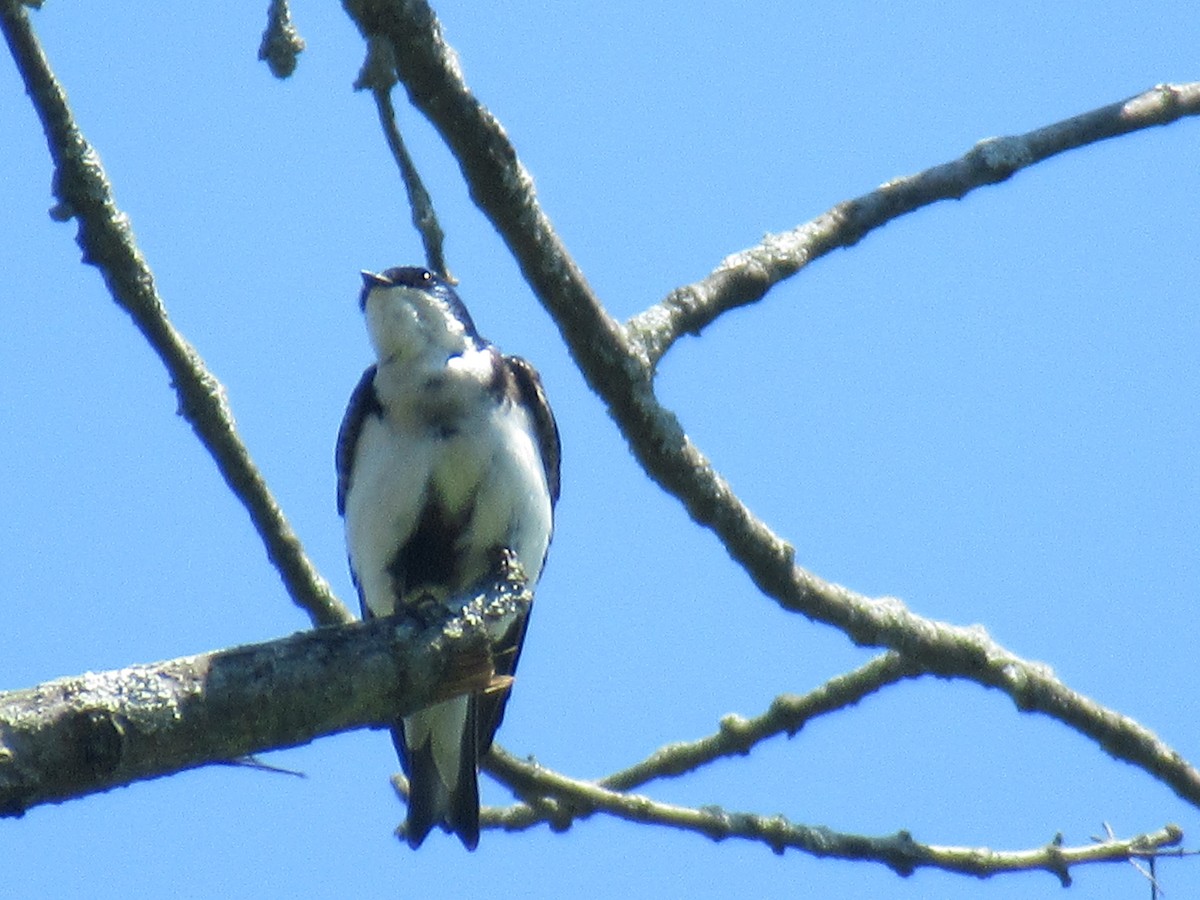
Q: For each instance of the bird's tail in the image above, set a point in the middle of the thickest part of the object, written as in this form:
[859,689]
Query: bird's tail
[438,747]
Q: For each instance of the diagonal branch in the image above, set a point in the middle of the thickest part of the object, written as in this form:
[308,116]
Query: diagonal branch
[618,368]
[787,714]
[746,277]
[107,241]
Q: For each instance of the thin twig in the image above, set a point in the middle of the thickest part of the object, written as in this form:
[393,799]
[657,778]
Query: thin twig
[378,75]
[787,714]
[107,241]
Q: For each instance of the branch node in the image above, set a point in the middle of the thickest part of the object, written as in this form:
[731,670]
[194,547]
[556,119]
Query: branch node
[1000,157]
[1056,863]
[281,44]
[378,72]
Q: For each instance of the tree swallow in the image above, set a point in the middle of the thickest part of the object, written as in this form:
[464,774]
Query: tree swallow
[447,460]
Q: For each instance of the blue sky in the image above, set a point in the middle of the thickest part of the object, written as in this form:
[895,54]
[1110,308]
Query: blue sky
[987,408]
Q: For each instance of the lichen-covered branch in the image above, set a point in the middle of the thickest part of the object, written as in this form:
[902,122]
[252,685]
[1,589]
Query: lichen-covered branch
[107,241]
[77,736]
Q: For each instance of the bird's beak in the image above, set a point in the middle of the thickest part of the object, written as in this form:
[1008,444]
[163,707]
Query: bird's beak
[370,280]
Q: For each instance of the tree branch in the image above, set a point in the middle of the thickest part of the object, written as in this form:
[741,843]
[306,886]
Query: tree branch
[617,366]
[81,735]
[746,277]
[107,241]
[899,852]
[787,714]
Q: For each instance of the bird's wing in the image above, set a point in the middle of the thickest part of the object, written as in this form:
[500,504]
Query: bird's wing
[363,402]
[507,650]
[533,397]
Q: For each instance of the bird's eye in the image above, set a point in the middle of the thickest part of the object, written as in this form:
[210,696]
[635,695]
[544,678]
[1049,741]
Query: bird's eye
[411,276]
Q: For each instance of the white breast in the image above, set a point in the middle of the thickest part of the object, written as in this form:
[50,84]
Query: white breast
[467,449]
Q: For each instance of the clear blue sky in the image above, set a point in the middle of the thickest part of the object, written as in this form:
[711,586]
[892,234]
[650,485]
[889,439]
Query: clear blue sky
[987,408]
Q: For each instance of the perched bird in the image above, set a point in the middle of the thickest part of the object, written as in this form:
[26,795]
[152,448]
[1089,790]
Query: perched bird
[447,459]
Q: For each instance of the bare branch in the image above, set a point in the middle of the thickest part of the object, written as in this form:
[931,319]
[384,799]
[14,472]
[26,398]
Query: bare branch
[107,241]
[787,714]
[77,736]
[619,371]
[746,277]
[899,852]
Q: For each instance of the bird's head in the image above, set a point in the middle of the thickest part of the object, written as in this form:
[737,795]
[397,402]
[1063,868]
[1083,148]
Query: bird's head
[411,311]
